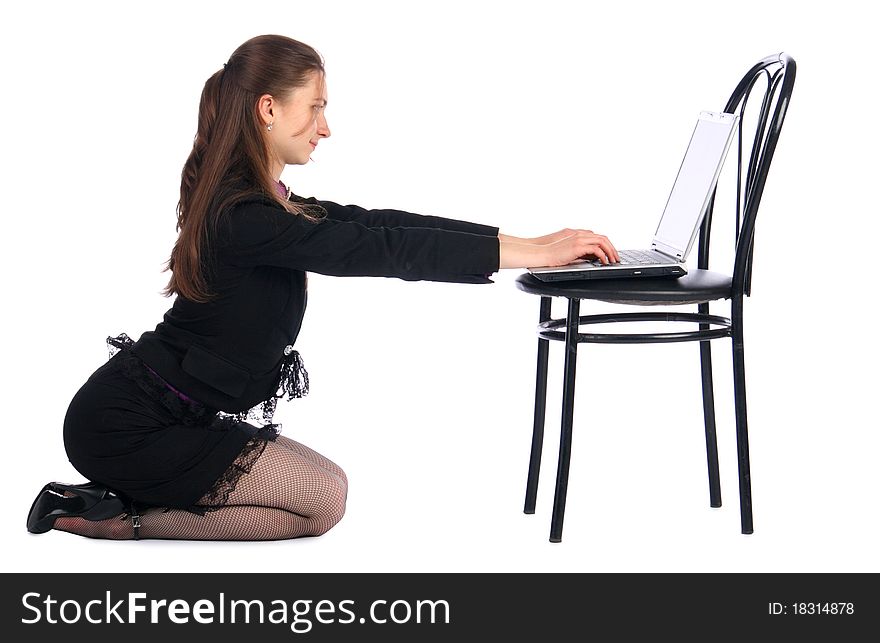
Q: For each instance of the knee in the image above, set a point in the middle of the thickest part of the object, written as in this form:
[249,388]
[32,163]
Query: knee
[343,483]
[332,509]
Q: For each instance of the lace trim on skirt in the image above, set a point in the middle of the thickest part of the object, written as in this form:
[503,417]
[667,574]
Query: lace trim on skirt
[293,382]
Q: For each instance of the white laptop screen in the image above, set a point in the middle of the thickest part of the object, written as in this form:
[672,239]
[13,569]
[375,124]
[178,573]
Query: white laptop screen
[696,178]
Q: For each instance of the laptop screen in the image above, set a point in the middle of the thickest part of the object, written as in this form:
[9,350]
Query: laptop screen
[696,178]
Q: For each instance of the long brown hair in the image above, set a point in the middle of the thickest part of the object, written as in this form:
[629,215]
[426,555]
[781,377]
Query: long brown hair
[230,155]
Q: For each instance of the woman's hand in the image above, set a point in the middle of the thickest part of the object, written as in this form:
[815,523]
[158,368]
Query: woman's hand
[539,241]
[553,238]
[580,244]
[557,249]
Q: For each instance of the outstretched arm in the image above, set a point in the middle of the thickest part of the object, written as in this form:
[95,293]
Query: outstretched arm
[388,218]
[555,249]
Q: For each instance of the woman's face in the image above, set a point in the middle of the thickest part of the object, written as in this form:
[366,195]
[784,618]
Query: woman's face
[298,123]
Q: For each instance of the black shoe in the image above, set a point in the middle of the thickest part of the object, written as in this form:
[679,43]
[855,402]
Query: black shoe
[91,501]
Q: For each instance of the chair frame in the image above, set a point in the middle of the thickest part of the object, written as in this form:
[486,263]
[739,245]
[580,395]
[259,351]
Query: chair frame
[779,70]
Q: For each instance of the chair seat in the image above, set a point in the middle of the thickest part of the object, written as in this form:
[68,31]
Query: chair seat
[696,287]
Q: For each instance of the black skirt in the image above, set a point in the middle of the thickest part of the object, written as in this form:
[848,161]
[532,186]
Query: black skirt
[130,430]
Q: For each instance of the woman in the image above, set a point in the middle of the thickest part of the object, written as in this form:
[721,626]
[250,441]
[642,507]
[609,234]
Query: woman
[160,429]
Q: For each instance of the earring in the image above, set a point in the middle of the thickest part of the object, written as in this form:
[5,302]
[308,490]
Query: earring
[269,126]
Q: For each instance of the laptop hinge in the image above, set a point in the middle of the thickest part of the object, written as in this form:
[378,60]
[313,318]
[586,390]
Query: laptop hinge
[669,251]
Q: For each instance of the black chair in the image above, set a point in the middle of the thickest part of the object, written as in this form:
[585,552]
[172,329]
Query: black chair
[699,286]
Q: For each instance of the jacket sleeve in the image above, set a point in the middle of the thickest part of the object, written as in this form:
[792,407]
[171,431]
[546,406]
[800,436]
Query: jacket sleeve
[256,234]
[397,218]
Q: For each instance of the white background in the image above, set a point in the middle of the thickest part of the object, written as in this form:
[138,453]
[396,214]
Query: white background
[528,116]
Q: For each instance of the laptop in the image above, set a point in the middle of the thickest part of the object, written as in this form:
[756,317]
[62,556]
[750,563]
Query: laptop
[681,219]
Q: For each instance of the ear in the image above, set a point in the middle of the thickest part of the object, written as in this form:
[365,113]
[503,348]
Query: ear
[265,107]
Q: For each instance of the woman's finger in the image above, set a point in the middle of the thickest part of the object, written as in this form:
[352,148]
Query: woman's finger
[607,247]
[598,252]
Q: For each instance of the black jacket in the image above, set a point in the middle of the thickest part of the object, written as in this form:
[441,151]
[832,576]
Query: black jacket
[228,353]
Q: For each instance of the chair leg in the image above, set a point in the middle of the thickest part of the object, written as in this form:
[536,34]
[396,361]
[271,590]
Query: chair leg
[709,415]
[571,343]
[742,432]
[540,412]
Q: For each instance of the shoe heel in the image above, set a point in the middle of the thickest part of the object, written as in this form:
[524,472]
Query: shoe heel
[39,522]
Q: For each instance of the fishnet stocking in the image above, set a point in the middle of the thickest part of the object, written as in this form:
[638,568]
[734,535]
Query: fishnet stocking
[315,457]
[226,523]
[291,491]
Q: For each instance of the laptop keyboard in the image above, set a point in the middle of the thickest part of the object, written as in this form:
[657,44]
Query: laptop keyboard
[636,258]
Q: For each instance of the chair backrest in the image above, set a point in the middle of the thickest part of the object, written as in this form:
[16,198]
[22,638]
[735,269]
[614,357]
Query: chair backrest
[779,72]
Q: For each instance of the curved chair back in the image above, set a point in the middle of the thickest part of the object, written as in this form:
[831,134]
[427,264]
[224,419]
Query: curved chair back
[779,71]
